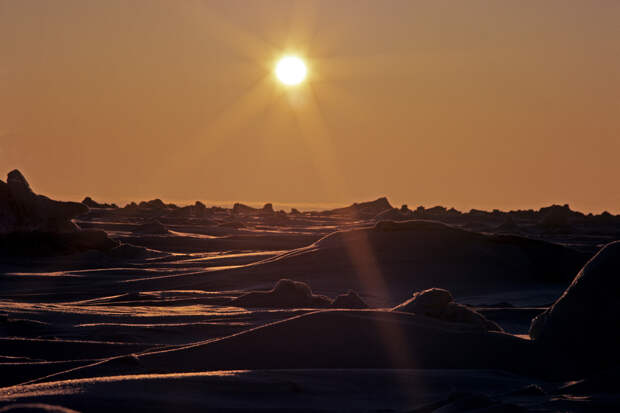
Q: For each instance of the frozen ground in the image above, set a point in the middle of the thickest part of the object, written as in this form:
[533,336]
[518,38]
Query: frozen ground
[155,327]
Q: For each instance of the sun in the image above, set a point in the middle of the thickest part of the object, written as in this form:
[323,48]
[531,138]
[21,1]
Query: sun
[291,70]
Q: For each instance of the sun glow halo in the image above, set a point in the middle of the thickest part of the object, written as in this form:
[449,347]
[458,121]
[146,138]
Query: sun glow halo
[291,70]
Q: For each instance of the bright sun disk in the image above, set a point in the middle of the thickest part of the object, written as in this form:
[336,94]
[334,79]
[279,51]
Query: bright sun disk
[291,70]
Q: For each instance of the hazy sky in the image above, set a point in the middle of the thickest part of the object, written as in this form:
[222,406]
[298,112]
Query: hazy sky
[487,104]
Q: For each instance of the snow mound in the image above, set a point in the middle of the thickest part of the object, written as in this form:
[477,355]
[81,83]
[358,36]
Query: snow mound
[438,303]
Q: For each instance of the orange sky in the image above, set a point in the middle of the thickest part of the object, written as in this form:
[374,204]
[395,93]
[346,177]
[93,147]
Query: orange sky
[486,104]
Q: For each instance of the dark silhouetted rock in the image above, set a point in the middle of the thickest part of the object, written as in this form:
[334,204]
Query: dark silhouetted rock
[295,211]
[438,303]
[268,208]
[286,294]
[349,300]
